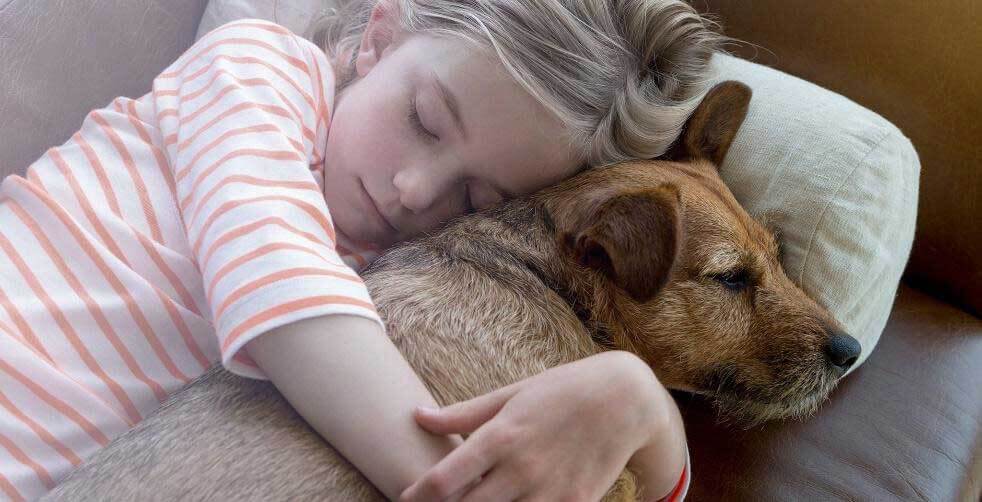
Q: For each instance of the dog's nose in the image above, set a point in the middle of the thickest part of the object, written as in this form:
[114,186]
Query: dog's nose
[843,350]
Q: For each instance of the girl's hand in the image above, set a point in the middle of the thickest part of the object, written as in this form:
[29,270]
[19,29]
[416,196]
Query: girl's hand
[564,434]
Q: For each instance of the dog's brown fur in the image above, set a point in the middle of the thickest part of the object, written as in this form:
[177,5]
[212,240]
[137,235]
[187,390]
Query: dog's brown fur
[652,257]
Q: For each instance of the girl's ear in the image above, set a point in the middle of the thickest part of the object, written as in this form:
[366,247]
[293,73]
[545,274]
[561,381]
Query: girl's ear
[380,32]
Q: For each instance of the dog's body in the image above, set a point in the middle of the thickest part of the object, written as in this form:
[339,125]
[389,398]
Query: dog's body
[651,257]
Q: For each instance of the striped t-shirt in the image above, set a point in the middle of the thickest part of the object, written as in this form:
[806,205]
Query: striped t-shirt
[163,236]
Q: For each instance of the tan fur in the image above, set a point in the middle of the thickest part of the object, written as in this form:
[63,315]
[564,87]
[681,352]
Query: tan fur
[502,295]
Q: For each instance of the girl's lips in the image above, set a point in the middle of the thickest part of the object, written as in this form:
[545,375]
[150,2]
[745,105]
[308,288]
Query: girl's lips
[378,214]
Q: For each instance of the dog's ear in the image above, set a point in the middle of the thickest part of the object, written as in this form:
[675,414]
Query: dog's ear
[632,238]
[712,126]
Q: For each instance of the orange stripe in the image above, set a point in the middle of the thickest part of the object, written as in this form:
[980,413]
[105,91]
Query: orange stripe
[368,246]
[230,133]
[155,256]
[100,317]
[117,285]
[186,299]
[263,25]
[242,152]
[96,311]
[9,490]
[276,277]
[214,33]
[138,125]
[141,187]
[86,207]
[238,42]
[256,253]
[245,229]
[66,409]
[343,251]
[248,105]
[323,112]
[90,304]
[249,82]
[68,331]
[32,172]
[250,180]
[5,328]
[287,308]
[151,250]
[184,330]
[22,326]
[310,209]
[66,376]
[242,357]
[100,173]
[41,432]
[160,93]
[24,459]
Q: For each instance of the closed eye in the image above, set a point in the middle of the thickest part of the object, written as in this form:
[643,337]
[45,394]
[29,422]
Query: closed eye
[417,123]
[734,280]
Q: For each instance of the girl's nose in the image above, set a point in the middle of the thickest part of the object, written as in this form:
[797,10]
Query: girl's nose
[420,189]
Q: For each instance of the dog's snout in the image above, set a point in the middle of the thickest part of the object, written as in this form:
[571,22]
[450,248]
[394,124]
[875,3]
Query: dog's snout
[842,350]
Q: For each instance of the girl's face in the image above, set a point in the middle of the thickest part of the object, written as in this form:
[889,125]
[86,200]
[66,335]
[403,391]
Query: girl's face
[430,129]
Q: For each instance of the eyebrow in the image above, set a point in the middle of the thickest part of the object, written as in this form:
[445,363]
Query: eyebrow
[451,101]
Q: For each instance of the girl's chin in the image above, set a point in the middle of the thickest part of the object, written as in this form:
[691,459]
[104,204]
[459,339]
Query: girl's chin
[369,240]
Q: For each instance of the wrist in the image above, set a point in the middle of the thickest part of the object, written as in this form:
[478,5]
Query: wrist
[660,459]
[646,395]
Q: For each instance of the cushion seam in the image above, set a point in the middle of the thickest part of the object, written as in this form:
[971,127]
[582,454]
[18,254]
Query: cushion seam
[811,239]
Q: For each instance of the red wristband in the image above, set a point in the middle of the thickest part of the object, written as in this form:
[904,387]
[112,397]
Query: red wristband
[678,493]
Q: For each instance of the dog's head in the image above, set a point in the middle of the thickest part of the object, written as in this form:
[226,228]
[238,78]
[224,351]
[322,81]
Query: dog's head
[686,279]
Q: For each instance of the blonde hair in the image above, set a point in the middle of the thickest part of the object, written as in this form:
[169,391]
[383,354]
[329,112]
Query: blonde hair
[622,75]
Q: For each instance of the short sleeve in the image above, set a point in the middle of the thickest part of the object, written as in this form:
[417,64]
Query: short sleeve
[243,115]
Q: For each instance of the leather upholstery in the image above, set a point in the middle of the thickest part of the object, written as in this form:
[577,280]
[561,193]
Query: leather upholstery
[906,425]
[916,63]
[61,59]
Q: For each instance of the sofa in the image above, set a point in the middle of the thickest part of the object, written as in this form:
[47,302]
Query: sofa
[905,425]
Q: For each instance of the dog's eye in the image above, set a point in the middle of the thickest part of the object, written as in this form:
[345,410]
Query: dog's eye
[735,280]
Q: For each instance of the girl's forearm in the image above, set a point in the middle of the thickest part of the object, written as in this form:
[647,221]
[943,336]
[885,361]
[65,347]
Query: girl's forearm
[353,386]
[660,462]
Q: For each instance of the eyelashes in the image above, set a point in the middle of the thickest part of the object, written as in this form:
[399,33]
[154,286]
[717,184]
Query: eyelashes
[426,135]
[417,124]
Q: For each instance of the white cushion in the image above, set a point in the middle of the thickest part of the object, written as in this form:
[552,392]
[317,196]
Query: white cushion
[838,182]
[292,14]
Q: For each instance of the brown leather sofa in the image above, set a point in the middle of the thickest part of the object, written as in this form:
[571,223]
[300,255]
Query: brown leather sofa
[907,425]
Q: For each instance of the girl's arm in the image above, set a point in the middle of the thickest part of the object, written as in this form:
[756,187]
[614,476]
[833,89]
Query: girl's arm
[663,463]
[563,434]
[351,384]
[242,118]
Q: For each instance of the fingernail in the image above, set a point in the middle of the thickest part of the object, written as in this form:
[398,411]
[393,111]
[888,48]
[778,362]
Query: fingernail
[427,409]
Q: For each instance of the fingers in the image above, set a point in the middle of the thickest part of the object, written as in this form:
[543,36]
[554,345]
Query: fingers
[465,416]
[496,485]
[459,468]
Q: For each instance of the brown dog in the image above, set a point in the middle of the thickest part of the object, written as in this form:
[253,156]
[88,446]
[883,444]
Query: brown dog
[653,257]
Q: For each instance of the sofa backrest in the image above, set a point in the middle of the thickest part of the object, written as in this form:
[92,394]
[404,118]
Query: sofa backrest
[60,60]
[915,63]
